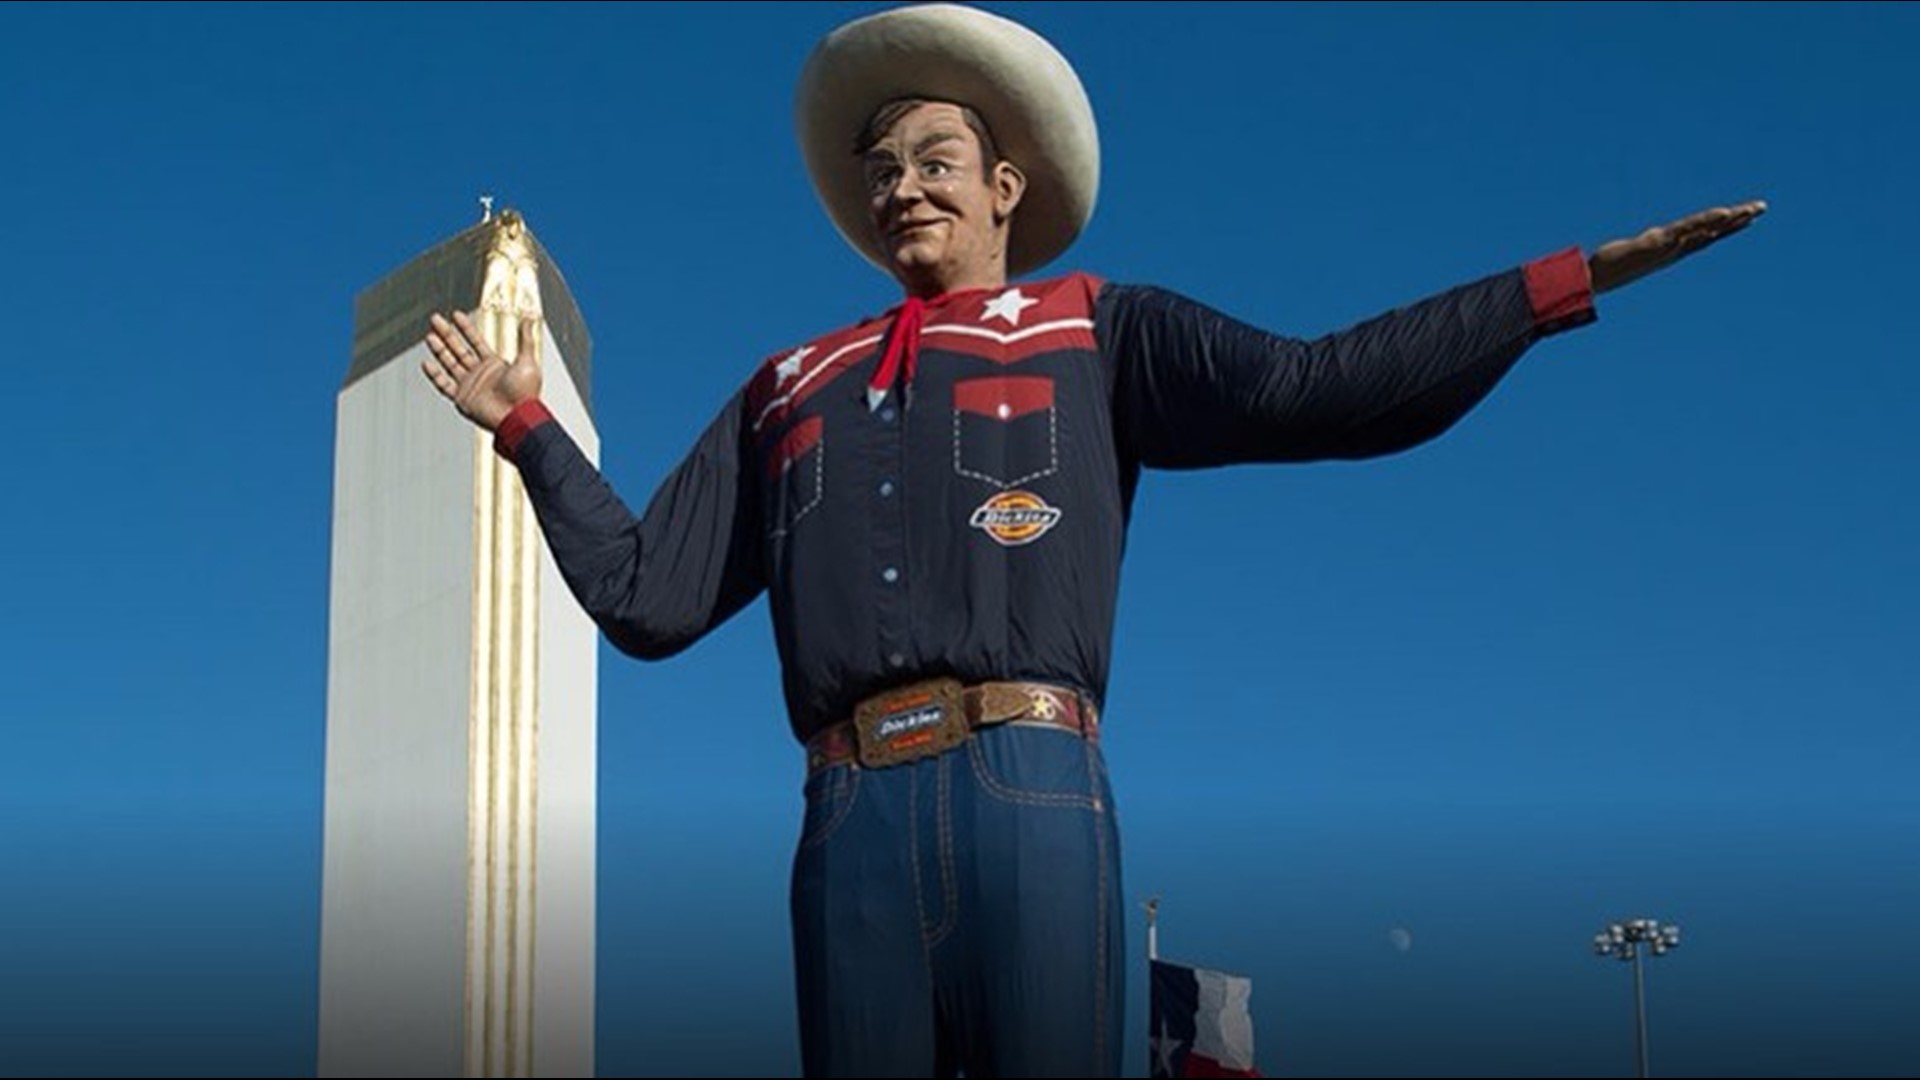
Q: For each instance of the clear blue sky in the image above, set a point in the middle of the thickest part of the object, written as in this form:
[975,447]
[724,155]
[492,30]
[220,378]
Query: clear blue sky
[1638,637]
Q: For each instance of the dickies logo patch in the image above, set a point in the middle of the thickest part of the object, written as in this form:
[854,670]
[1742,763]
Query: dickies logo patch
[1013,518]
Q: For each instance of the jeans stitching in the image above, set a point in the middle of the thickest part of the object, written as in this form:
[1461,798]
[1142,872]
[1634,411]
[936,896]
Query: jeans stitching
[1030,798]
[1100,915]
[949,894]
[953,888]
[913,854]
[913,870]
[850,784]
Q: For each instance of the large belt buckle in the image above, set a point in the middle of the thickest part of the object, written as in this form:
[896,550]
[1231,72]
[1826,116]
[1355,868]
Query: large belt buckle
[910,723]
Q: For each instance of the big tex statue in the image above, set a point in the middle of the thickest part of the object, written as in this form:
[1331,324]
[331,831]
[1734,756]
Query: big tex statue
[936,500]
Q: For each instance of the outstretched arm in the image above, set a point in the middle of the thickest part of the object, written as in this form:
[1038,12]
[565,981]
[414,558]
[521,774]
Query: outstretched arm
[654,584]
[1193,387]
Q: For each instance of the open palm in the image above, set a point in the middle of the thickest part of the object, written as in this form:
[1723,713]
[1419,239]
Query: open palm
[467,372]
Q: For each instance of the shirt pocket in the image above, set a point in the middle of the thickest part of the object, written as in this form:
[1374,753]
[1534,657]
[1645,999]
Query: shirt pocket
[796,474]
[1006,430]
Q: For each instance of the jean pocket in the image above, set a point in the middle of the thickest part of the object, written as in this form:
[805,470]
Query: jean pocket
[830,795]
[1038,765]
[1006,431]
[796,474]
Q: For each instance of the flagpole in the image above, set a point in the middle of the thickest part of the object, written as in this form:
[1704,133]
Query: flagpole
[1198,1020]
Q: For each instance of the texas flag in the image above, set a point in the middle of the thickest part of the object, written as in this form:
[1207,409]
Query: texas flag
[1198,1024]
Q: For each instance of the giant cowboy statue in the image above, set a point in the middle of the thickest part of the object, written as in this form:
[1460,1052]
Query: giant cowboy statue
[936,500]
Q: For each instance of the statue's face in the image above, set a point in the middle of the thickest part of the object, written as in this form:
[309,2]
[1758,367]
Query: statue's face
[941,213]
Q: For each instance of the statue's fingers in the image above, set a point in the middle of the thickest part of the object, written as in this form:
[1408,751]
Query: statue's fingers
[1691,242]
[1740,221]
[1720,228]
[477,351]
[529,342]
[1704,221]
[450,344]
[1710,231]
[437,375]
[443,351]
[1743,215]
[1723,220]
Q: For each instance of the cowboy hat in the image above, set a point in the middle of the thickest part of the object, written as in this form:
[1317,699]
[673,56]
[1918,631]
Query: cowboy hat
[1020,85]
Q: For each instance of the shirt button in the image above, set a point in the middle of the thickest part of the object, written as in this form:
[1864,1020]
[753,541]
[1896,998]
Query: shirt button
[890,575]
[886,488]
[896,660]
[886,415]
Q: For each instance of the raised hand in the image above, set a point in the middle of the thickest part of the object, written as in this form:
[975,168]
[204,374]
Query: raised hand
[1621,261]
[468,373]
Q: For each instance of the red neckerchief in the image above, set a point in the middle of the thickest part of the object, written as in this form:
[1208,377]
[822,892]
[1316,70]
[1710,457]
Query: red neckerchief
[903,343]
[903,350]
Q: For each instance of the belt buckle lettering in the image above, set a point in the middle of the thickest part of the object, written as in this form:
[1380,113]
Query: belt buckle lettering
[910,723]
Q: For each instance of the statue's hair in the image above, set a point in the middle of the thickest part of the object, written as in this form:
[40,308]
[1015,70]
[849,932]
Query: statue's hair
[889,114]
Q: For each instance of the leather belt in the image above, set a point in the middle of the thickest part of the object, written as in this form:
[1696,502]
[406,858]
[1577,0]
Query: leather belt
[927,718]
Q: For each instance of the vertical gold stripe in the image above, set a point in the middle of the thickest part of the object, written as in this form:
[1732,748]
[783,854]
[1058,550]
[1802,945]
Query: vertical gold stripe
[510,768]
[530,767]
[516,776]
[499,742]
[490,787]
[533,786]
[503,824]
[513,814]
[520,769]
[509,734]
[481,746]
[509,721]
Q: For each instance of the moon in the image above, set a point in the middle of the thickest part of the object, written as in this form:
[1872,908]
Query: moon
[1401,937]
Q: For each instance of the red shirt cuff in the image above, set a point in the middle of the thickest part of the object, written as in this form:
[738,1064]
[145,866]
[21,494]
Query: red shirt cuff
[524,418]
[1561,290]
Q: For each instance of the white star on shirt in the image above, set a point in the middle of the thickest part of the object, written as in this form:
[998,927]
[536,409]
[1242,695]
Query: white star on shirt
[1008,305]
[790,367]
[1163,1051]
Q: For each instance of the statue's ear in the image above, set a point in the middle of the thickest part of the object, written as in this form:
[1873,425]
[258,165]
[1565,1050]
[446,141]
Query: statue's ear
[1009,184]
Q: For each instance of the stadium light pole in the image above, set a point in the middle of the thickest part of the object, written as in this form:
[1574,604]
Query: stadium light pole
[1623,940]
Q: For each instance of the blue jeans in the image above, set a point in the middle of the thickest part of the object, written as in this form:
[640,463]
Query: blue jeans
[962,912]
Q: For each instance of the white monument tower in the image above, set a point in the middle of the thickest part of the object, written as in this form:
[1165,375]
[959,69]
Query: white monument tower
[457,915]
